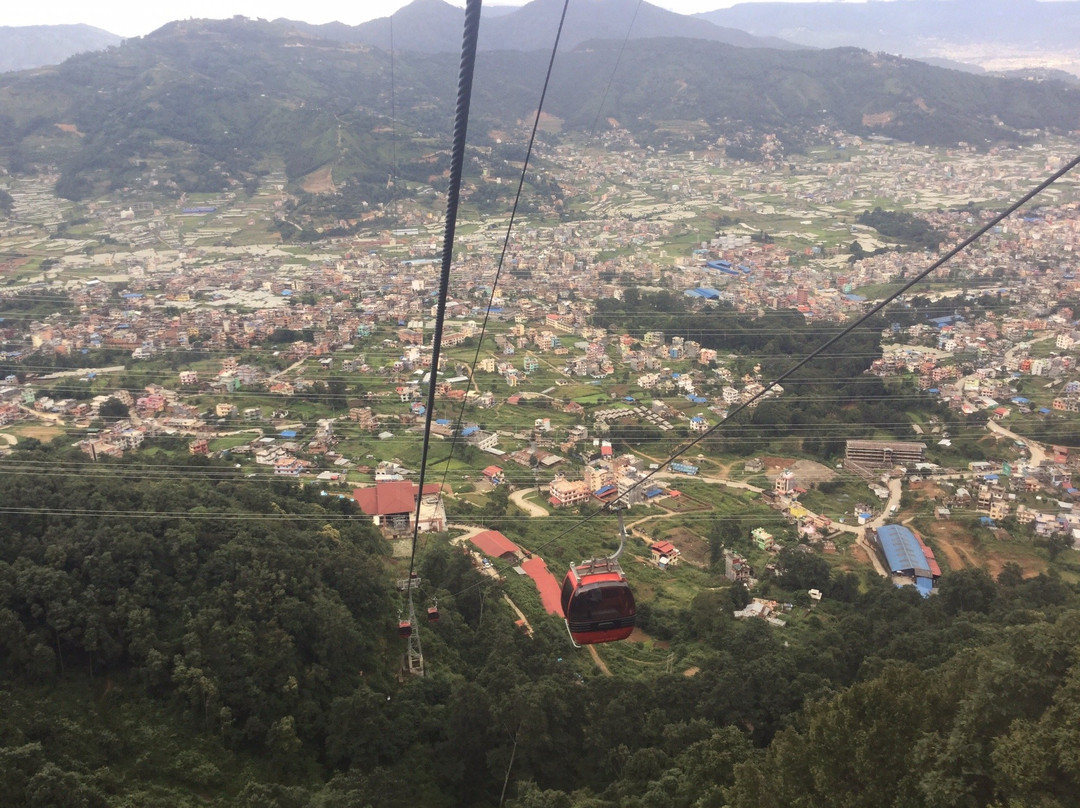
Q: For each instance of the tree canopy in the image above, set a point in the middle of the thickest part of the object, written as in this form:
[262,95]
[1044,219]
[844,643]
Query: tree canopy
[195,639]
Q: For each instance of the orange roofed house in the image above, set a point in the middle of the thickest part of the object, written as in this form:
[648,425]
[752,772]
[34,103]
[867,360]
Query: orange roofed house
[392,506]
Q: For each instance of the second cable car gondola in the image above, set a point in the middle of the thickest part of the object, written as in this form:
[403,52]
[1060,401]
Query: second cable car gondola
[597,602]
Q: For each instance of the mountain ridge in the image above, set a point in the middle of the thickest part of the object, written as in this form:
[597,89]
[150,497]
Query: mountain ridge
[212,99]
[433,26]
[29,46]
[914,27]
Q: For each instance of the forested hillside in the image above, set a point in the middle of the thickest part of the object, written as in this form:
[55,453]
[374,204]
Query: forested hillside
[172,635]
[201,105]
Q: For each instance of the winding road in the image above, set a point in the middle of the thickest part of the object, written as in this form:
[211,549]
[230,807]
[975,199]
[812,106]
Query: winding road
[531,508]
[1038,453]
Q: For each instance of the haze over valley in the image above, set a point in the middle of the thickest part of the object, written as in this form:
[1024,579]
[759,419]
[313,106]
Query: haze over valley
[267,540]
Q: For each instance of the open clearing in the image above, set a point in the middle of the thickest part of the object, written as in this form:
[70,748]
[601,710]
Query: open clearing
[693,549]
[42,433]
[957,550]
[320,181]
[806,472]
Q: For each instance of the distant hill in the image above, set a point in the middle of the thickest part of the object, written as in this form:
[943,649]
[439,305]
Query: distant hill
[911,27]
[428,26]
[496,10]
[199,105]
[434,26]
[24,47]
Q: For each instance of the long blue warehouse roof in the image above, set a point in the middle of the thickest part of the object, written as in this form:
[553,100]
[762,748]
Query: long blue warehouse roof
[902,550]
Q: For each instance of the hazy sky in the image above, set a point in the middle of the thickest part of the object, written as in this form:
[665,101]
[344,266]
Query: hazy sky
[138,17]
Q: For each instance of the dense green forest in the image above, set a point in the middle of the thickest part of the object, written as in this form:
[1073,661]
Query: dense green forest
[828,400]
[172,635]
[902,226]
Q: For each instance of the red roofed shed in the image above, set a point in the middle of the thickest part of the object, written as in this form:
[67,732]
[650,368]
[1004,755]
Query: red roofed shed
[494,543]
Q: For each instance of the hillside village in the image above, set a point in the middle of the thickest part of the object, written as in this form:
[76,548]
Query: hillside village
[310,362]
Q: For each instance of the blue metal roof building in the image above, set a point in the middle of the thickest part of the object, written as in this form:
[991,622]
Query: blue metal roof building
[704,292]
[902,551]
[948,320]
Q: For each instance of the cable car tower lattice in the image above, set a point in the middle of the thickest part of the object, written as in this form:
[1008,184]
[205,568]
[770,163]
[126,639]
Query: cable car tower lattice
[412,661]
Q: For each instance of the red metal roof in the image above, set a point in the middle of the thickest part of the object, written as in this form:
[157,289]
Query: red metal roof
[546,583]
[935,568]
[382,499]
[494,543]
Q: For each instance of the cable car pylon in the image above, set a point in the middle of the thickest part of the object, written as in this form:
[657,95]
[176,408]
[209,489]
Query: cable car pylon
[412,661]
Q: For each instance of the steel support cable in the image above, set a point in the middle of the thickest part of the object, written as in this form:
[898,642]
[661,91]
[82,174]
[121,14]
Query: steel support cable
[509,225]
[327,518]
[457,160]
[614,70]
[921,276]
[393,105]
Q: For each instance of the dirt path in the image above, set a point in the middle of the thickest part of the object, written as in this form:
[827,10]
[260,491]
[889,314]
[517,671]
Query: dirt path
[470,531]
[865,546]
[709,478]
[955,561]
[599,662]
[290,368]
[64,374]
[524,620]
[44,416]
[724,468]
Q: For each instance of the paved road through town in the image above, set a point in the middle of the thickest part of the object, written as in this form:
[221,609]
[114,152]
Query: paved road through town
[531,508]
[1038,453]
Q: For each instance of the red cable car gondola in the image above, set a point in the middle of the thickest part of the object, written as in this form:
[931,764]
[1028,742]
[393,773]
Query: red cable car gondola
[404,628]
[597,601]
[433,612]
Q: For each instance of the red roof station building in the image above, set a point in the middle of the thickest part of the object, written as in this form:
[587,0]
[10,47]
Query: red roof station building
[392,506]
